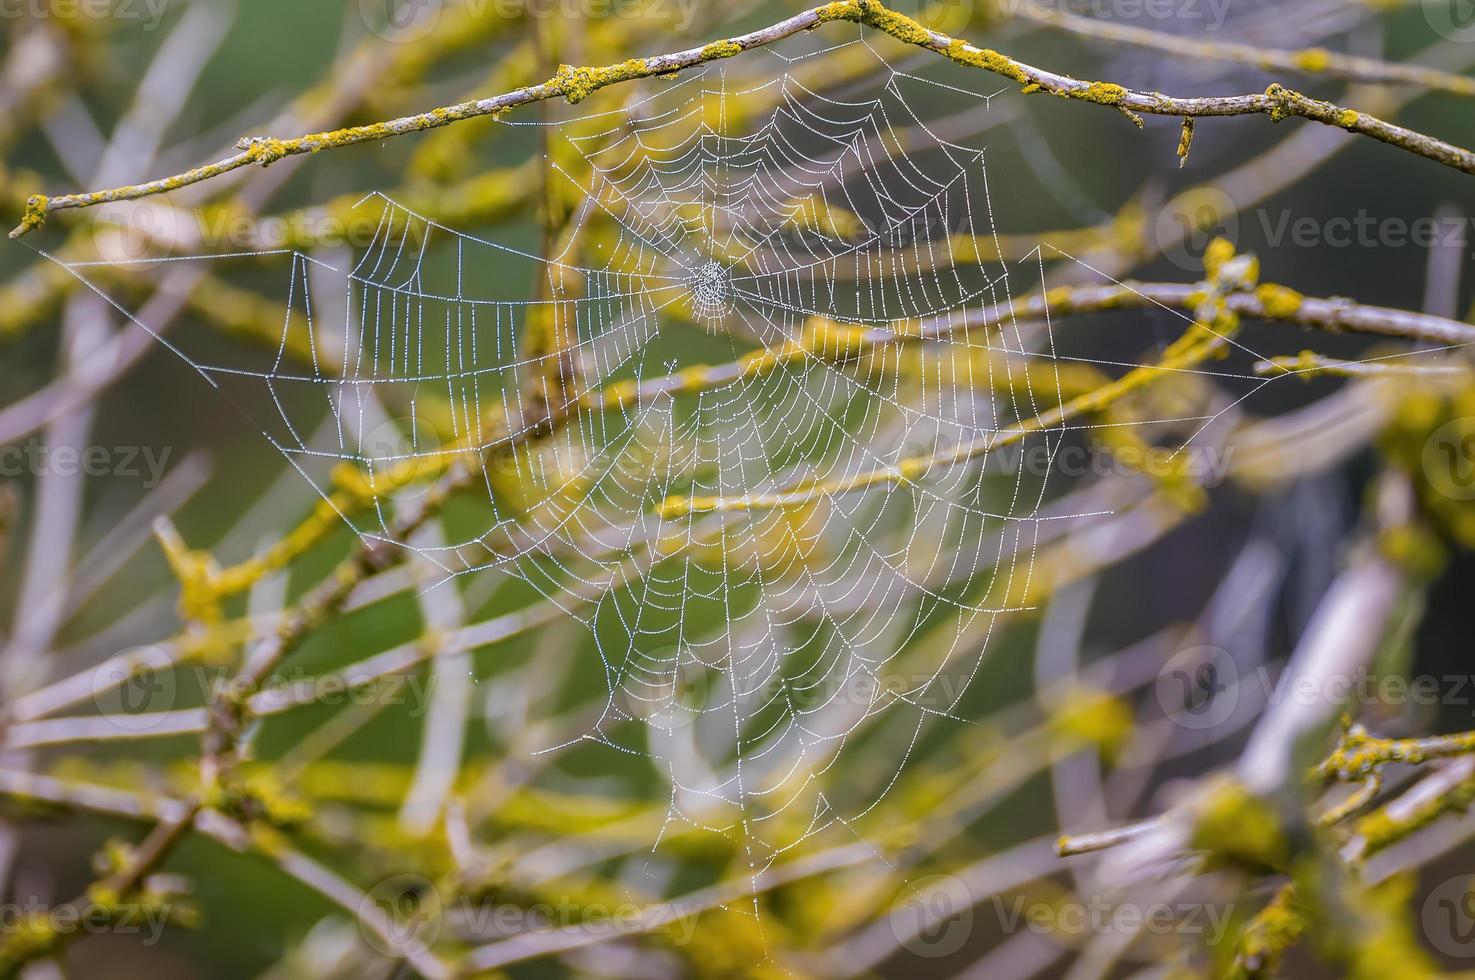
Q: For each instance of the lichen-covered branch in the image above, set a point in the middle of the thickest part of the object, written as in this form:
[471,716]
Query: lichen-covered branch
[577,83]
[1308,61]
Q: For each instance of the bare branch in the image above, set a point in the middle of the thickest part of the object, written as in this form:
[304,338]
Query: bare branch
[577,83]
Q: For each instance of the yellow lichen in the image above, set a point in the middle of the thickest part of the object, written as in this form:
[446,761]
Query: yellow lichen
[264,149]
[34,216]
[827,338]
[987,59]
[721,49]
[1347,118]
[1102,93]
[899,26]
[1219,252]
[1313,59]
[1282,101]
[1414,548]
[1273,930]
[1096,718]
[578,83]
[840,10]
[1280,302]
[1238,828]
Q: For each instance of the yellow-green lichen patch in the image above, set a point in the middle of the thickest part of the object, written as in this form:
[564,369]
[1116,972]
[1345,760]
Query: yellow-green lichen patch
[840,10]
[265,150]
[721,49]
[1060,299]
[1280,302]
[1272,930]
[1415,549]
[1282,101]
[1095,718]
[1237,828]
[1217,255]
[1347,118]
[34,216]
[1102,93]
[578,83]
[899,26]
[987,59]
[1313,59]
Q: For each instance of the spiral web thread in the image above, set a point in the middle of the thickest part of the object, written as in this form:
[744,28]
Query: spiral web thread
[742,646]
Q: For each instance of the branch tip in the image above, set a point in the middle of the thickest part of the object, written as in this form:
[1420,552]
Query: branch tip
[34,216]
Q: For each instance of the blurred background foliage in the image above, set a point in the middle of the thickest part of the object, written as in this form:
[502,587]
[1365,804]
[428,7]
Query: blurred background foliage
[1059,172]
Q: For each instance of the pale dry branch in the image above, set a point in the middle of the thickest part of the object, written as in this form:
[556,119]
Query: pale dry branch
[577,83]
[1317,62]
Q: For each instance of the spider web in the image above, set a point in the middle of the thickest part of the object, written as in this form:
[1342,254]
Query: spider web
[744,647]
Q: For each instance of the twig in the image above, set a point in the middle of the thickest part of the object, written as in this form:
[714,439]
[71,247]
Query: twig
[1311,364]
[577,83]
[1308,61]
[1074,844]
